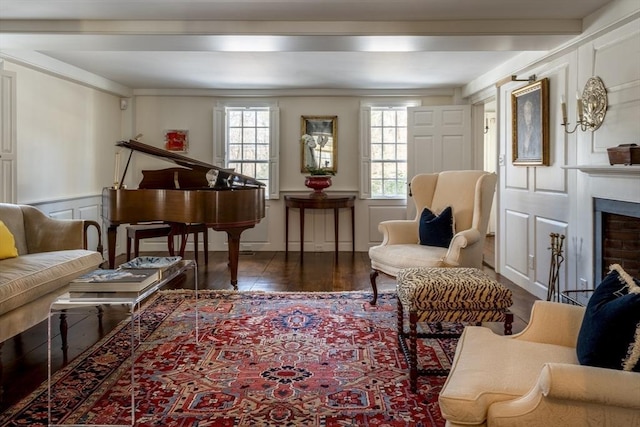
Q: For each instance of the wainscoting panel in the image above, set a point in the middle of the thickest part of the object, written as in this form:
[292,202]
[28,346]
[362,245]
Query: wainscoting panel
[260,233]
[516,241]
[63,214]
[344,231]
[377,214]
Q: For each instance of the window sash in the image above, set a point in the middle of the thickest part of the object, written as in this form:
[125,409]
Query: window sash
[246,138]
[388,161]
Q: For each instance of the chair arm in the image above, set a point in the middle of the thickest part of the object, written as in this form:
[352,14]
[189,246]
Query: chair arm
[459,243]
[590,384]
[399,231]
[568,394]
[87,225]
[544,321]
[45,234]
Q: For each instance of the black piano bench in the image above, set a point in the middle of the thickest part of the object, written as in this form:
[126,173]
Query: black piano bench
[195,229]
[148,231]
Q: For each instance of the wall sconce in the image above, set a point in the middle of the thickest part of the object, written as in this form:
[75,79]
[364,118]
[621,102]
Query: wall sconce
[592,107]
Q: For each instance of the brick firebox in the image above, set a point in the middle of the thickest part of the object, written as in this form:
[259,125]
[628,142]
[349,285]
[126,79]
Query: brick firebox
[617,236]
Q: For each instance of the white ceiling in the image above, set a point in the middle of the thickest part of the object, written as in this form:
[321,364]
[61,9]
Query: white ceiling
[286,44]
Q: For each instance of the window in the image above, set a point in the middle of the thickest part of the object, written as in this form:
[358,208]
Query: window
[248,142]
[245,139]
[383,149]
[388,152]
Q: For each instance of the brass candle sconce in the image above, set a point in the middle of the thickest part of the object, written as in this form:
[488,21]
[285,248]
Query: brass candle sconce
[592,107]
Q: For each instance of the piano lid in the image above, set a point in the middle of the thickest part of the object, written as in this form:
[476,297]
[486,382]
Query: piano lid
[226,176]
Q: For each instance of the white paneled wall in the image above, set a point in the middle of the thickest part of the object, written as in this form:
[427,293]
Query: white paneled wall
[537,201]
[377,214]
[515,243]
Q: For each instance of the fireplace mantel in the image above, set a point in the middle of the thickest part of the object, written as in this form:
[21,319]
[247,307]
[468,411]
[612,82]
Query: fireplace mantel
[608,170]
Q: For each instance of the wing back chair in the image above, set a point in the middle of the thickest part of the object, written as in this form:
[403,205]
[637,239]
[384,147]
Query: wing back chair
[469,193]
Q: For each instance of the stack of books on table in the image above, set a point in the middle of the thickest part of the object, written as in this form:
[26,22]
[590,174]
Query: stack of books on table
[166,265]
[115,280]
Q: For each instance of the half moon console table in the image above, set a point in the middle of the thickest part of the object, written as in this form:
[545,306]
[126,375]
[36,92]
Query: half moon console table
[329,201]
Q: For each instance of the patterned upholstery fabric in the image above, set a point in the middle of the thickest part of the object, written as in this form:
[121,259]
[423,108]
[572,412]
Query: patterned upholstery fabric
[446,295]
[452,294]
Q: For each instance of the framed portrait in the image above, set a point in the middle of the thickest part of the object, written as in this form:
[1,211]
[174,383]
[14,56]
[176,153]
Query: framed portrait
[530,123]
[323,152]
[176,140]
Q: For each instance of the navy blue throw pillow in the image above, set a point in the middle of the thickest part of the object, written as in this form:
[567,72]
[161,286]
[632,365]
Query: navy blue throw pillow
[610,332]
[436,230]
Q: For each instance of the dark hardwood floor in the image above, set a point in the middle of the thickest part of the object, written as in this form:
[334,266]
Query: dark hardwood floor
[24,358]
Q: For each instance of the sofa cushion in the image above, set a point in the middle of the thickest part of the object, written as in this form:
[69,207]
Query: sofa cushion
[29,277]
[480,378]
[405,256]
[13,218]
[436,230]
[610,333]
[7,243]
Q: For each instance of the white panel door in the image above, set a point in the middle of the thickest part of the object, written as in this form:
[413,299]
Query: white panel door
[439,139]
[8,149]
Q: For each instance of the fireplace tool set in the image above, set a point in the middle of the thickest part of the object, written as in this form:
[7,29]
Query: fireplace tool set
[557,258]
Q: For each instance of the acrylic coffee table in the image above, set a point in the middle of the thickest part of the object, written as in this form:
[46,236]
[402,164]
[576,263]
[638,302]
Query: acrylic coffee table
[82,302]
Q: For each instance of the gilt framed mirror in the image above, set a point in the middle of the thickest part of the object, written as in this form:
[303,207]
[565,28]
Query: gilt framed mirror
[319,144]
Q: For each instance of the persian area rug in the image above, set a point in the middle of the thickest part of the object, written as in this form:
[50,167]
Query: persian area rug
[263,359]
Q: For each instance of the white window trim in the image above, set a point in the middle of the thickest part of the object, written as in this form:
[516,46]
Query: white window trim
[365,141]
[220,131]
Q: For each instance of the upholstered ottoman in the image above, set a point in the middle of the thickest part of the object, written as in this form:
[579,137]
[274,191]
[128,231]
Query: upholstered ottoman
[446,295]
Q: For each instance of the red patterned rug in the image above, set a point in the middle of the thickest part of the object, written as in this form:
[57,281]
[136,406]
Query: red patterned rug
[264,359]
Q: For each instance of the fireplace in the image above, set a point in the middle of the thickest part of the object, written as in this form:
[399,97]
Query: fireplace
[617,236]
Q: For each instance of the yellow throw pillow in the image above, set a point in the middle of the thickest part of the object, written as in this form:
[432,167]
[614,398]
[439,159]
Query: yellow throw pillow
[7,243]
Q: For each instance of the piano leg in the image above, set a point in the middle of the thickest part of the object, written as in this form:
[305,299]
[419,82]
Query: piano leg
[233,235]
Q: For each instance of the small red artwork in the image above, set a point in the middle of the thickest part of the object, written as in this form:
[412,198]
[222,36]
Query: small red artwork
[176,140]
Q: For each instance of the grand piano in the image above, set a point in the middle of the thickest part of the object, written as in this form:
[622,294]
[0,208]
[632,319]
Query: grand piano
[196,192]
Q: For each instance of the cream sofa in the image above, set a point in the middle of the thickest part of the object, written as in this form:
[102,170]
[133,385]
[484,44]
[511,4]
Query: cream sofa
[51,252]
[534,378]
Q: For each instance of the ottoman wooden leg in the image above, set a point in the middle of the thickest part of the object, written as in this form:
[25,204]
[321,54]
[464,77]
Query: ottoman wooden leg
[409,352]
[508,323]
[413,350]
[400,324]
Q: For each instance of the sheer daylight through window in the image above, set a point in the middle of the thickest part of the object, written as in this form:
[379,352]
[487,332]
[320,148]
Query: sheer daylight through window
[248,142]
[388,152]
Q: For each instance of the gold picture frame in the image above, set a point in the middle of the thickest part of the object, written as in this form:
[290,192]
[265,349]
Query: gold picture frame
[530,124]
[325,158]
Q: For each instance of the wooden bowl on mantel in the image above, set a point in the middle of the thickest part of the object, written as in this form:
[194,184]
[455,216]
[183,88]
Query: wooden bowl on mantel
[624,154]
